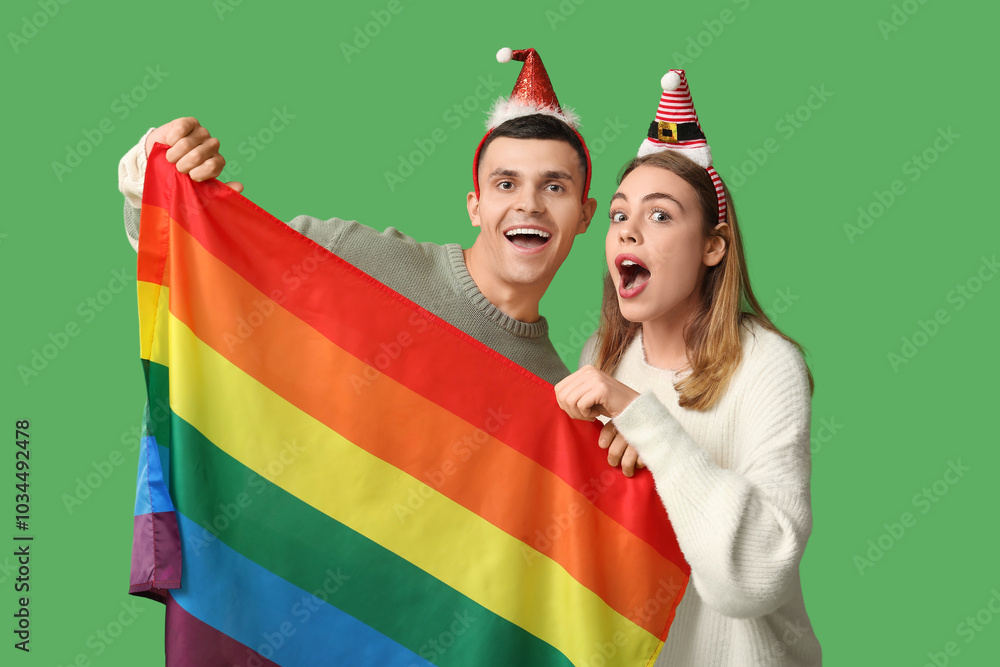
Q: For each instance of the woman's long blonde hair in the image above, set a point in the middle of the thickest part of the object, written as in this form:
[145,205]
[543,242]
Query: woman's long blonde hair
[712,337]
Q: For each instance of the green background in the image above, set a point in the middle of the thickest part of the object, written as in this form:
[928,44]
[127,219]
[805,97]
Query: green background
[882,433]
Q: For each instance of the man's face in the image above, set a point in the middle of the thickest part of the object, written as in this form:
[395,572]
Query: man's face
[529,209]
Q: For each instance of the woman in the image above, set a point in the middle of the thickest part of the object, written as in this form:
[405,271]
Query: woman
[713,400]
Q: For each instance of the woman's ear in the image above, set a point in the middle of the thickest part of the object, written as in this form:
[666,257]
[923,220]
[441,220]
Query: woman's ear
[716,245]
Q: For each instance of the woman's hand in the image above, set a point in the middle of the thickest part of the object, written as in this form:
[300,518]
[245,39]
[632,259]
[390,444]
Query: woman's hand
[619,451]
[589,392]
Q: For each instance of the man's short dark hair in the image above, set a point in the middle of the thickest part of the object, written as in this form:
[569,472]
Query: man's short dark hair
[538,126]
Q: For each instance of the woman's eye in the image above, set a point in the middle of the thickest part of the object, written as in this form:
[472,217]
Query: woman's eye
[618,216]
[660,216]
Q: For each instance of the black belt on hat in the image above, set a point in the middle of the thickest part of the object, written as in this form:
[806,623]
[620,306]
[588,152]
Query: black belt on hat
[673,133]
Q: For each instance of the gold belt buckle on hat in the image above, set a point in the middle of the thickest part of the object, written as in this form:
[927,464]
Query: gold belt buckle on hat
[666,131]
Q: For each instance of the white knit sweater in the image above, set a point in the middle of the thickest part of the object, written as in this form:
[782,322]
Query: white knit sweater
[735,482]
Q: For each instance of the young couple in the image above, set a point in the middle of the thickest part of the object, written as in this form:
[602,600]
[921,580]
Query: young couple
[695,382]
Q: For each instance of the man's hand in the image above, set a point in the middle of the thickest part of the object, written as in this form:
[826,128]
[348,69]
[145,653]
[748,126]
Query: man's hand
[192,149]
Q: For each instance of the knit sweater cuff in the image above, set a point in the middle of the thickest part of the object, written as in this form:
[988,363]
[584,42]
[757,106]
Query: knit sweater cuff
[132,172]
[662,443]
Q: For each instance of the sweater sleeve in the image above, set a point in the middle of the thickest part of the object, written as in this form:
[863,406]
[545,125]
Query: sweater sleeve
[743,531]
[131,173]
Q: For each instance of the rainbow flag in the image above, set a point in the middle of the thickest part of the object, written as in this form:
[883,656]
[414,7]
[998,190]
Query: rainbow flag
[331,475]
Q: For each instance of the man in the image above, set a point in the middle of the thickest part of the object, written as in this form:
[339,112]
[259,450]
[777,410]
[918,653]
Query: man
[531,176]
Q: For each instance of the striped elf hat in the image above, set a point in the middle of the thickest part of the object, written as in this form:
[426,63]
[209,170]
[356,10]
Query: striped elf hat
[676,128]
[532,94]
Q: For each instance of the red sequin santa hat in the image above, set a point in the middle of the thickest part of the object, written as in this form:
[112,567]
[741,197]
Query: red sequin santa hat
[532,94]
[677,128]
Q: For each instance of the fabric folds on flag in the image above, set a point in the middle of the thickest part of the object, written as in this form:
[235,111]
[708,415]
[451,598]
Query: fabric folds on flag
[332,475]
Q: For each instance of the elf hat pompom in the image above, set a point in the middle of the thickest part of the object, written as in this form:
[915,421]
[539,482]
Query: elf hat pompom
[677,128]
[532,94]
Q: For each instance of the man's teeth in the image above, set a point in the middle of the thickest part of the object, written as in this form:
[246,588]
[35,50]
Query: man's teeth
[525,230]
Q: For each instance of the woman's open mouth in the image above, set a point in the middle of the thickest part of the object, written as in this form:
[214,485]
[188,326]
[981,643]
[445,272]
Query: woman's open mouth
[634,275]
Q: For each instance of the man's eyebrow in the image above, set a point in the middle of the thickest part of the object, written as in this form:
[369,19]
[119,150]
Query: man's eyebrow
[509,173]
[558,175]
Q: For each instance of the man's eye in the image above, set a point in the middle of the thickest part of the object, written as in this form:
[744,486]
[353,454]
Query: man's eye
[505,185]
[555,187]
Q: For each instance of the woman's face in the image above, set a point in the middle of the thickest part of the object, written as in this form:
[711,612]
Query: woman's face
[656,249]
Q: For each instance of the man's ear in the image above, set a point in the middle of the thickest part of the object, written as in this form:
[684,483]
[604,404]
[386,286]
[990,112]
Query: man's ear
[716,245]
[586,215]
[472,203]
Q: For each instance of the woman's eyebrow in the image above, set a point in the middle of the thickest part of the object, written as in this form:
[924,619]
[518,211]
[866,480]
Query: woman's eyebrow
[662,195]
[651,196]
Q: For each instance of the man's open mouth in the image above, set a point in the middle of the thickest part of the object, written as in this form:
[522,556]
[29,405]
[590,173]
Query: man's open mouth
[527,237]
